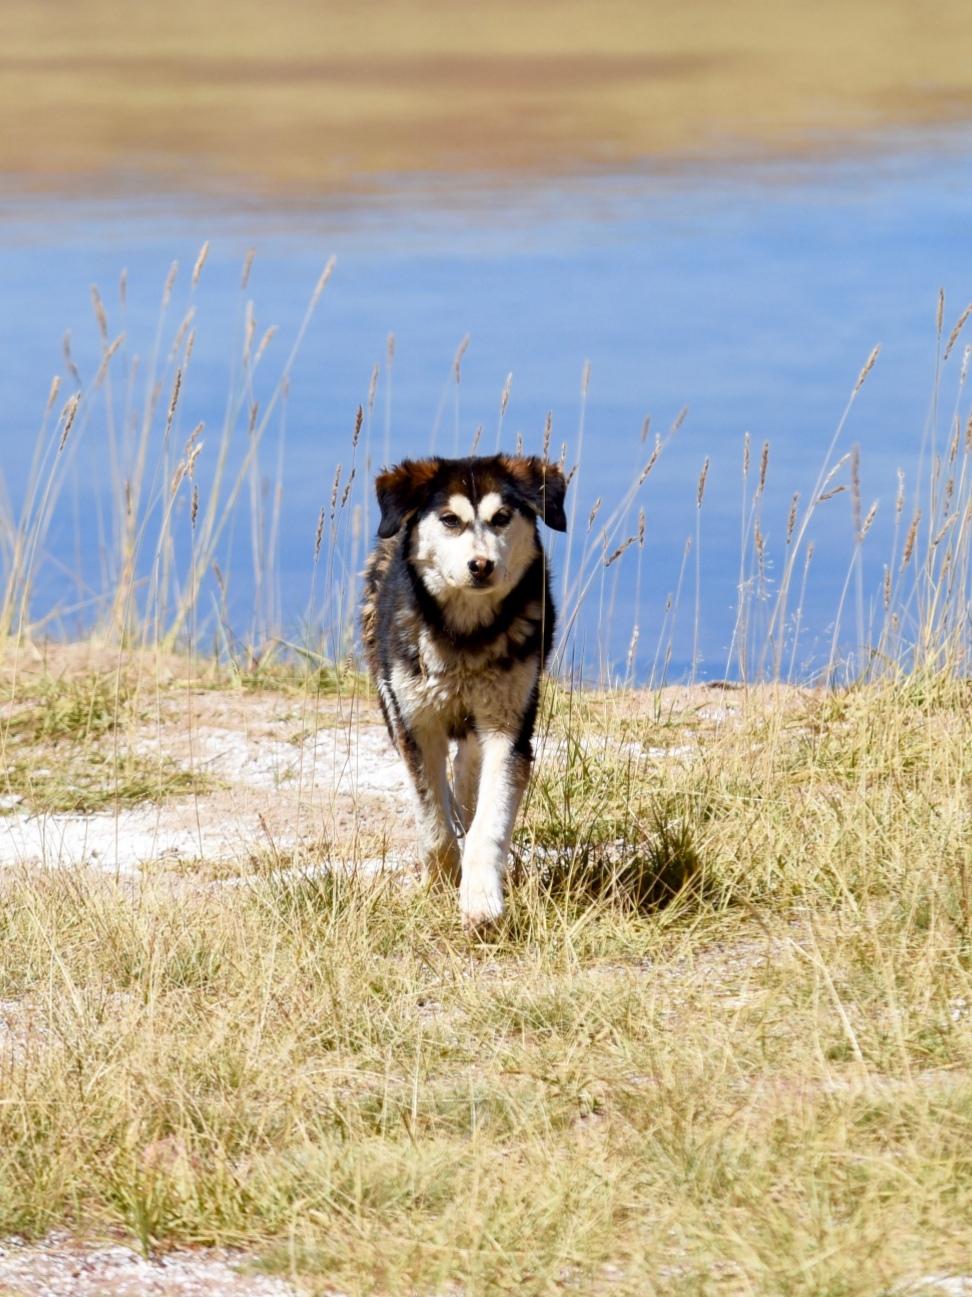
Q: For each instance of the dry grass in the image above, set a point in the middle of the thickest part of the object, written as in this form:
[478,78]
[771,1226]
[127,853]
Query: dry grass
[759,1087]
[314,97]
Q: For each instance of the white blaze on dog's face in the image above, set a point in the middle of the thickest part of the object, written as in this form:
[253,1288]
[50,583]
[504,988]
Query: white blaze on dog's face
[475,548]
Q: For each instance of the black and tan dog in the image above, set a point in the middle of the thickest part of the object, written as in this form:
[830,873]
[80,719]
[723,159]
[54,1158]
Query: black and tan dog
[457,624]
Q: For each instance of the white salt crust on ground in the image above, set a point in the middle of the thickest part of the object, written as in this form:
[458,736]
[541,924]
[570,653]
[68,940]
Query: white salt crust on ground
[63,1267]
[269,794]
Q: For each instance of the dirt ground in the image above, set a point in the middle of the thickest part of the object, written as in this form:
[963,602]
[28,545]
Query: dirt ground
[64,1267]
[290,777]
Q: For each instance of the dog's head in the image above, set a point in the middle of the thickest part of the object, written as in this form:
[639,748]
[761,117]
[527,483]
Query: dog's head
[474,521]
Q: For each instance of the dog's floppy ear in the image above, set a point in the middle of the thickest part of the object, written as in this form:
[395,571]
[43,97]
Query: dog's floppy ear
[401,490]
[542,485]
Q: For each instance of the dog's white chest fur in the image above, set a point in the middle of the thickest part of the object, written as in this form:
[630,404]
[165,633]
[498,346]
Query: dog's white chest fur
[451,686]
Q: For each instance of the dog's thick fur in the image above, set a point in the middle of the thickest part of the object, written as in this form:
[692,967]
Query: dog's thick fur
[457,623]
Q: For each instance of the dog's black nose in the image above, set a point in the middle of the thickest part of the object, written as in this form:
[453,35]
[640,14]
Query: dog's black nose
[481,567]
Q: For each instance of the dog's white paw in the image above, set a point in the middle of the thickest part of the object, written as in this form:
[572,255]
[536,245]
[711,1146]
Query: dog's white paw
[481,901]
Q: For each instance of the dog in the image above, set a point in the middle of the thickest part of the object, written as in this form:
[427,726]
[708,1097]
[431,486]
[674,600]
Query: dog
[457,624]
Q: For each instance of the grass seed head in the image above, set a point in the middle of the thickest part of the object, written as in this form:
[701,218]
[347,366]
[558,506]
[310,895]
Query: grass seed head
[959,325]
[322,282]
[868,366]
[99,311]
[791,521]
[953,448]
[264,343]
[910,540]
[181,333]
[372,388]
[505,395]
[320,534]
[457,359]
[651,462]
[620,549]
[943,531]
[632,649]
[68,414]
[170,280]
[871,515]
[200,262]
[702,476]
[247,267]
[69,359]
[547,431]
[249,330]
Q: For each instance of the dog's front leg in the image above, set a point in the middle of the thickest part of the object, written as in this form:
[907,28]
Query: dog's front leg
[426,757]
[503,780]
[467,774]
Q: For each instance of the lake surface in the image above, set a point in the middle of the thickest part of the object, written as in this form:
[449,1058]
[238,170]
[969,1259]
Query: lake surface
[753,296]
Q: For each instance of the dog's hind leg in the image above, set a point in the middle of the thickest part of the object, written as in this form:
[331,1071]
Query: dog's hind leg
[426,756]
[467,767]
[503,781]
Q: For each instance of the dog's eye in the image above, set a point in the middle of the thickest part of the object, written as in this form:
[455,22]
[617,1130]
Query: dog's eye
[502,519]
[450,521]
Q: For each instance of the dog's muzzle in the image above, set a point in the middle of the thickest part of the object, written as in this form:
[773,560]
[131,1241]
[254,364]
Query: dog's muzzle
[481,569]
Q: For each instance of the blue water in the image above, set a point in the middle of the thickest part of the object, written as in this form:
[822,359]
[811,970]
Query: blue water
[753,296]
